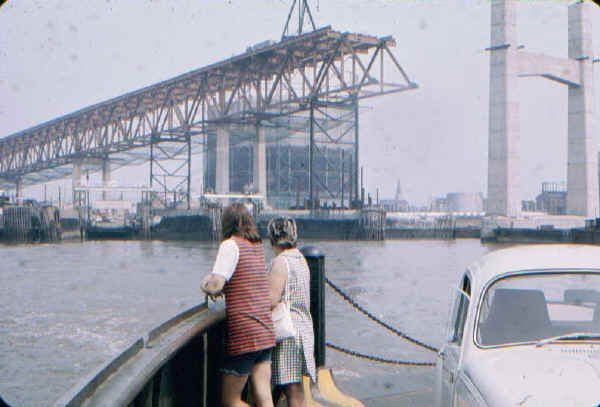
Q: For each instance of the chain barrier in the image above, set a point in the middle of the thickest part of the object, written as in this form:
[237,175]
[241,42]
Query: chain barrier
[378,359]
[377,320]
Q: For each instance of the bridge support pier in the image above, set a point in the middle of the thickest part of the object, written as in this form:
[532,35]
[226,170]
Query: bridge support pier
[106,177]
[19,190]
[504,128]
[259,173]
[222,160]
[76,174]
[582,167]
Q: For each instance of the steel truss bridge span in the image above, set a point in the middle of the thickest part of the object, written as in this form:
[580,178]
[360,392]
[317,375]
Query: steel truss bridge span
[269,82]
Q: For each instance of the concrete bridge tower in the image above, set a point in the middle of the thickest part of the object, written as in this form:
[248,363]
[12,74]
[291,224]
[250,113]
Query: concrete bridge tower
[582,170]
[507,64]
[503,131]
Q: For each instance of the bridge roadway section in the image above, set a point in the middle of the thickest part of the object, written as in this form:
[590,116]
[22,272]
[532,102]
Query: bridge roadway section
[169,120]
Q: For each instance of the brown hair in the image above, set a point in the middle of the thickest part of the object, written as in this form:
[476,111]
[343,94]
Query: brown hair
[283,232]
[236,220]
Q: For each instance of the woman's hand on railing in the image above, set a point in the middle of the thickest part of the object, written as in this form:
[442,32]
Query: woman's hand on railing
[215,302]
[213,284]
[216,297]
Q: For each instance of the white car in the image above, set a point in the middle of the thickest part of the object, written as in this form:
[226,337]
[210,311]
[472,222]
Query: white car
[525,331]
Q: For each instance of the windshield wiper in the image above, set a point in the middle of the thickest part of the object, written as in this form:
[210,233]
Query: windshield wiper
[571,336]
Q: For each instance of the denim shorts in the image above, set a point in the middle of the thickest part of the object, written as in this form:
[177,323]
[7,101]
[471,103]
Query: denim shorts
[242,364]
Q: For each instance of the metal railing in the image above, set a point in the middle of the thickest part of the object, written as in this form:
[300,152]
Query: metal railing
[174,363]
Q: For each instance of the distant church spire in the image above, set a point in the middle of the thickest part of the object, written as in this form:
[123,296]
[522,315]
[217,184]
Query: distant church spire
[398,191]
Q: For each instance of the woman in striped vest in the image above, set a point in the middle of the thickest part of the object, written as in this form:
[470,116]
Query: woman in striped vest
[240,273]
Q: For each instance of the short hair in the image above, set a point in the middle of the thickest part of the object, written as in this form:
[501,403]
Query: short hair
[283,232]
[237,220]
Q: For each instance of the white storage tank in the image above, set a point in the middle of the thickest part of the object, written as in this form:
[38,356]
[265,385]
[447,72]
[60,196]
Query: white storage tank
[464,202]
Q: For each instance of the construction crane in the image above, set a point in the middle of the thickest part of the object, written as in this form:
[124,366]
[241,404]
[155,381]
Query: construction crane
[303,11]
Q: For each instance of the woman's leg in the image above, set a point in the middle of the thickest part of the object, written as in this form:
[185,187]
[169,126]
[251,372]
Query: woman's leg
[295,395]
[232,390]
[260,381]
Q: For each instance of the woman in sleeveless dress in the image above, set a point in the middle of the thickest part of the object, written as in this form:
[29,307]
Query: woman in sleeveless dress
[240,273]
[292,358]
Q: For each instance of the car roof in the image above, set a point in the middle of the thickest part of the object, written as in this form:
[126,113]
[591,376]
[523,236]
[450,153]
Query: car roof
[535,257]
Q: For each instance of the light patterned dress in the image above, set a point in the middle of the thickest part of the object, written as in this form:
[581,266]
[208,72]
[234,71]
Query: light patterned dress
[294,357]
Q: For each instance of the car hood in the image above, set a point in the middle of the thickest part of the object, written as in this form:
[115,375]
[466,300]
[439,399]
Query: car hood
[529,376]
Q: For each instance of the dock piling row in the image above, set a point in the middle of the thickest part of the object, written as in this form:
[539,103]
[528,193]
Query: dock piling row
[371,224]
[27,223]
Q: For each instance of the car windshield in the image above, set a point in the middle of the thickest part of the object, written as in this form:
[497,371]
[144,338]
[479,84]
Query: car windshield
[532,307]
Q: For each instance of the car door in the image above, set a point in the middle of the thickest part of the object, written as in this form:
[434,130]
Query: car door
[449,355]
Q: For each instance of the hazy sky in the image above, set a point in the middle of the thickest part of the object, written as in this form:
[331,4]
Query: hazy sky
[57,56]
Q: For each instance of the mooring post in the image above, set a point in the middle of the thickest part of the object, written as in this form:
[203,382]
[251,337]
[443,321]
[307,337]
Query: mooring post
[316,263]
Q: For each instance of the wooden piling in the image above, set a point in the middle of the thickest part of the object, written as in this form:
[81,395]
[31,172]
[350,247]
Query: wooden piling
[215,211]
[31,222]
[371,224]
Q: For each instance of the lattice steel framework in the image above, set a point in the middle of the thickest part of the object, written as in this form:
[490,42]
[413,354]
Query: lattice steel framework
[316,70]
[288,157]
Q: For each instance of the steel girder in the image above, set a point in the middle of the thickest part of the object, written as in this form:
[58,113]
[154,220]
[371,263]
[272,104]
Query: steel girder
[322,68]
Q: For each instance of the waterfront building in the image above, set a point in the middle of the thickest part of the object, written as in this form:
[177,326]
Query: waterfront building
[394,205]
[439,205]
[464,202]
[459,202]
[528,206]
[553,199]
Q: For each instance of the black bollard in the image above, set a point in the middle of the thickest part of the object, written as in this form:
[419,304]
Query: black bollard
[316,263]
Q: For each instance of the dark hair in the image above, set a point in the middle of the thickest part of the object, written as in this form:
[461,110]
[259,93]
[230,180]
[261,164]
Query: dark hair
[283,232]
[236,220]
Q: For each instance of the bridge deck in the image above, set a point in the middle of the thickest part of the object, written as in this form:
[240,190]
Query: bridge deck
[321,68]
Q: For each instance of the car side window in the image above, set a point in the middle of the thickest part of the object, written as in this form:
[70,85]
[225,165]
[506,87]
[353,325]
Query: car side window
[459,314]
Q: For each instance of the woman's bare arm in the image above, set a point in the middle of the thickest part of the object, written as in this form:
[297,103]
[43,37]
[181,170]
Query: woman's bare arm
[278,279]
[224,267]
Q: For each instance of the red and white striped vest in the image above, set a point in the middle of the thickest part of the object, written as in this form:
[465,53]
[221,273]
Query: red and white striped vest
[248,302]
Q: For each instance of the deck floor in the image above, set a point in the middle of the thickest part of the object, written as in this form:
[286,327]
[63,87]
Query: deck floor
[406,388]
[411,399]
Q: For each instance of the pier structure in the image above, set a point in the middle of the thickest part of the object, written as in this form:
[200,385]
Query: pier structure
[280,120]
[18,189]
[508,62]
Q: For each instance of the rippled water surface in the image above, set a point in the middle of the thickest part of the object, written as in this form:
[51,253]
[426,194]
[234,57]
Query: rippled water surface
[68,308]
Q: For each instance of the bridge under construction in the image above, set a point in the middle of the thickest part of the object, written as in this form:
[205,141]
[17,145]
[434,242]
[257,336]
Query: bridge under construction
[280,120]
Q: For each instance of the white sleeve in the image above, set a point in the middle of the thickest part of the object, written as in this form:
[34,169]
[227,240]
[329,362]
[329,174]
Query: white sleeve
[227,259]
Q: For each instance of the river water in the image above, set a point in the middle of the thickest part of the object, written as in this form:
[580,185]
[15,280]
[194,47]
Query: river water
[67,308]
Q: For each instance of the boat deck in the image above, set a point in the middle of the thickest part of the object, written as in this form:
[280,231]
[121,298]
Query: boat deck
[411,399]
[403,393]
[402,389]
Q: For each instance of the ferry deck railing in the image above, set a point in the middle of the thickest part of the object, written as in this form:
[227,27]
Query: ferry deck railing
[174,365]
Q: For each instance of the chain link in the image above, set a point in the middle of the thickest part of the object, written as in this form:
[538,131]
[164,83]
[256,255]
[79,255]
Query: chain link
[377,320]
[378,359]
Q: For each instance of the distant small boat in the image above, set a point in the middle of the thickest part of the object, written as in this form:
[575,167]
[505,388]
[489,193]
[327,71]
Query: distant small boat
[110,231]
